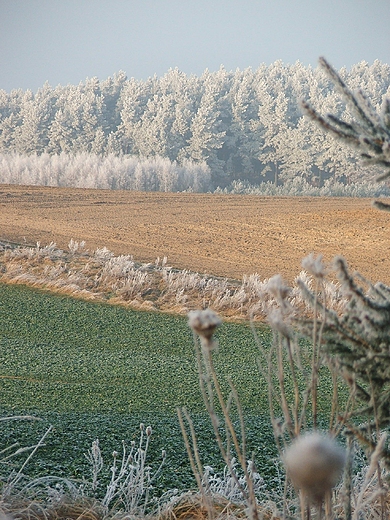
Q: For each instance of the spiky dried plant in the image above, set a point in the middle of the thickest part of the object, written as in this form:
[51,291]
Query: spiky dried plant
[204,323]
[358,342]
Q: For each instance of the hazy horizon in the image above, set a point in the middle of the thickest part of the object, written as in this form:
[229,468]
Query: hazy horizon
[66,42]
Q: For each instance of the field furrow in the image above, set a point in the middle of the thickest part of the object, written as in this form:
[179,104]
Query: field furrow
[223,235]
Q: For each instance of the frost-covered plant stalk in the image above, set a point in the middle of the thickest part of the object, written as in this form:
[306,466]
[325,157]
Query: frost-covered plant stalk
[294,369]
[131,478]
[369,133]
[204,323]
[225,484]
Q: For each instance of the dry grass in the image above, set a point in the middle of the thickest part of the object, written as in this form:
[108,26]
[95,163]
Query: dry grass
[191,506]
[188,506]
[99,275]
[66,510]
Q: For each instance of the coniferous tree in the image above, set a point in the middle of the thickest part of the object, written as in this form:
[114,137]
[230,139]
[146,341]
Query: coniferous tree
[207,135]
[133,101]
[10,118]
[273,121]
[246,125]
[111,90]
[37,112]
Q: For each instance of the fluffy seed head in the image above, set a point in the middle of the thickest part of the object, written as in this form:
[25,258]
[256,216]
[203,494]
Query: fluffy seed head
[204,322]
[314,463]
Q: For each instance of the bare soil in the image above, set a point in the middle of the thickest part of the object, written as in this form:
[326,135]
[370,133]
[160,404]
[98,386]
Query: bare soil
[222,235]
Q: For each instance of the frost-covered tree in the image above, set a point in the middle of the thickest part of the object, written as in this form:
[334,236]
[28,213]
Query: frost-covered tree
[114,143]
[272,117]
[207,134]
[134,97]
[110,90]
[244,138]
[36,115]
[77,119]
[245,125]
[152,135]
[10,118]
[181,90]
[88,170]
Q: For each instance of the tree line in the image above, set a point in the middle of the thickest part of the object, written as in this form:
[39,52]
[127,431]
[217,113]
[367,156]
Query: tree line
[243,125]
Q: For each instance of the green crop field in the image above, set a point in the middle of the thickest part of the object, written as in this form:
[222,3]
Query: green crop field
[67,355]
[97,371]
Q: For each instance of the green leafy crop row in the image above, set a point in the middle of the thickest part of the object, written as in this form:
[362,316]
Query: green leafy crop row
[97,371]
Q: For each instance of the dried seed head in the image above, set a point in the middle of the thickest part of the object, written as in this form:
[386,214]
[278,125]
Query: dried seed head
[314,266]
[314,464]
[149,431]
[204,322]
[277,288]
[95,450]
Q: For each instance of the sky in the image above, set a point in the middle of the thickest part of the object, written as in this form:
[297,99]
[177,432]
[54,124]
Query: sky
[66,41]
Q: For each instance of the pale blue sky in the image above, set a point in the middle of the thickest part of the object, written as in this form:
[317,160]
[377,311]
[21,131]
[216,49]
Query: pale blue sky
[66,41]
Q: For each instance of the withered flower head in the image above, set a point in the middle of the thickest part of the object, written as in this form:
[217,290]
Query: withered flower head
[204,322]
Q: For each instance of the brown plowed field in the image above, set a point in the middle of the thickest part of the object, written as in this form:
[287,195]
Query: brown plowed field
[225,235]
